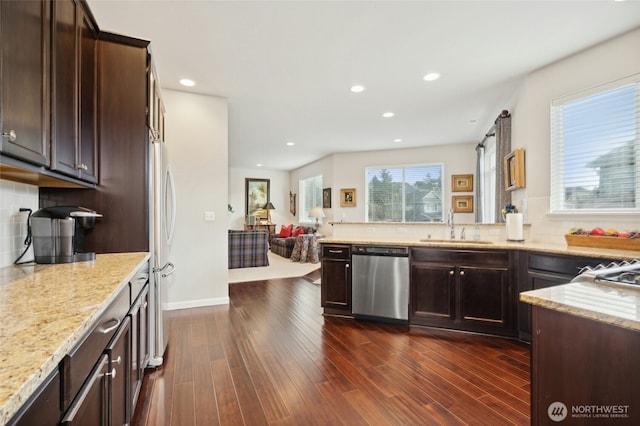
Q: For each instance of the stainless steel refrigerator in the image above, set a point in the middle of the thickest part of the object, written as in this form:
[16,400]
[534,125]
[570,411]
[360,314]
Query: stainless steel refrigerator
[162,210]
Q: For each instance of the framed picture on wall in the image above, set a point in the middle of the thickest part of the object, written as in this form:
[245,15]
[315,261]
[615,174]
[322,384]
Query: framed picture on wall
[514,170]
[348,197]
[326,198]
[257,195]
[292,203]
[462,203]
[461,183]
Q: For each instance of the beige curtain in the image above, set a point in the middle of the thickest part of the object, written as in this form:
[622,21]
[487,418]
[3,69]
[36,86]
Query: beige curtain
[503,147]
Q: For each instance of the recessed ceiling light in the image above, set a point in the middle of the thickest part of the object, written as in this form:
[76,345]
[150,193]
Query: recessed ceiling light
[291,143]
[397,140]
[357,88]
[259,165]
[473,121]
[188,83]
[388,114]
[431,76]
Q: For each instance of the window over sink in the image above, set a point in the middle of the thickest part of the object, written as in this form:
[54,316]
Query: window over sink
[404,193]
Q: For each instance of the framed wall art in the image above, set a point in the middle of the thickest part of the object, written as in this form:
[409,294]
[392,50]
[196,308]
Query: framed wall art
[326,198]
[292,203]
[462,203]
[348,197]
[462,183]
[257,195]
[514,170]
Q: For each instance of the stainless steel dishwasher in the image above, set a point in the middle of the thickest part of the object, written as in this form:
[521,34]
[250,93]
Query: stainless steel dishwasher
[380,282]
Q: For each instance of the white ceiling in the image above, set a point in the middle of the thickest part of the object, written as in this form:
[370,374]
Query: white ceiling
[286,67]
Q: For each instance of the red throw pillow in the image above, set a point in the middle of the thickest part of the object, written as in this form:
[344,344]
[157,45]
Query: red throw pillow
[285,232]
[298,231]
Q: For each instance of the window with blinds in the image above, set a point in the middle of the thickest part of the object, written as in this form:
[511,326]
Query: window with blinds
[310,196]
[404,194]
[595,149]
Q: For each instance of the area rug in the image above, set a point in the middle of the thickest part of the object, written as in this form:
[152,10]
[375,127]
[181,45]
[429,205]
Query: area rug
[279,267]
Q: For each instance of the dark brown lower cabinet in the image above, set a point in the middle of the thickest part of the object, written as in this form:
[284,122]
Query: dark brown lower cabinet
[583,371]
[462,289]
[91,405]
[44,407]
[335,291]
[119,352]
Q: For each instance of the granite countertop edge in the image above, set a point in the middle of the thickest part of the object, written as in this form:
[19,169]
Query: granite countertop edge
[10,405]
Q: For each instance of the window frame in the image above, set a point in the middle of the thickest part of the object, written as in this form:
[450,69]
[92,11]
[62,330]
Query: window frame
[303,213]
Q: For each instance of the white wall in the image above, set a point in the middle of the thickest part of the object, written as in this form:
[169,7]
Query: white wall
[13,224]
[279,190]
[197,141]
[347,170]
[605,62]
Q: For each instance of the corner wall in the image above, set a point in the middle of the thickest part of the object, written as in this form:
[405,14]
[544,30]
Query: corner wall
[197,141]
[602,63]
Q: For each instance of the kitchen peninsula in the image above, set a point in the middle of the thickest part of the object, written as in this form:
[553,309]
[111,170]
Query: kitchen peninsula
[46,311]
[463,284]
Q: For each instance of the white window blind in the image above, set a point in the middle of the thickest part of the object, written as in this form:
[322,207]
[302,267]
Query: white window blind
[404,194]
[310,196]
[595,149]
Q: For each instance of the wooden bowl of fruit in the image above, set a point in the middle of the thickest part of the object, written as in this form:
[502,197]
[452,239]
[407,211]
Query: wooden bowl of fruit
[603,238]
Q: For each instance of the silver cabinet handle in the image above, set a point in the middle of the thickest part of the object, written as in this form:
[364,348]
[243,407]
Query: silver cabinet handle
[112,374]
[461,273]
[11,134]
[82,166]
[108,330]
[145,305]
[450,272]
[335,251]
[118,360]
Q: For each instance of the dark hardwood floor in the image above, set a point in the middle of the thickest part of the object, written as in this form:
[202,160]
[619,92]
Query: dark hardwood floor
[270,357]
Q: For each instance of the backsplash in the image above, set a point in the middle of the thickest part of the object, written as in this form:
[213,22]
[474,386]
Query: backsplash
[13,223]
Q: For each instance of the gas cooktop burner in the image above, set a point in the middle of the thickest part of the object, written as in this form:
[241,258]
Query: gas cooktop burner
[625,273]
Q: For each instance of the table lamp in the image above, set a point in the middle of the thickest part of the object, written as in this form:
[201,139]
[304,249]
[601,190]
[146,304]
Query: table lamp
[316,212]
[269,206]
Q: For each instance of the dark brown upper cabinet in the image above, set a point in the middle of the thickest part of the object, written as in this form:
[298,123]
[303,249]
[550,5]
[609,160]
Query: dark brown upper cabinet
[74,93]
[25,80]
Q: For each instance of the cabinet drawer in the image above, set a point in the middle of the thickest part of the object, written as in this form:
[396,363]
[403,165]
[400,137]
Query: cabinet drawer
[483,258]
[330,251]
[563,265]
[138,282]
[77,364]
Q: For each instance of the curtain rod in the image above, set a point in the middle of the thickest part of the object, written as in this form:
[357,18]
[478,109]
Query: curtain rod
[492,130]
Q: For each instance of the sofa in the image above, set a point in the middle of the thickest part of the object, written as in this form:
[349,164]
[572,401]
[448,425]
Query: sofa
[282,243]
[248,249]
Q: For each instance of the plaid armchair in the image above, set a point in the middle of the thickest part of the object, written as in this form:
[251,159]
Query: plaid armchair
[248,248]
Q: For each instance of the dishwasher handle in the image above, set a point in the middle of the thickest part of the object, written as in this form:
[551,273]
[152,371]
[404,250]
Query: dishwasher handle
[388,251]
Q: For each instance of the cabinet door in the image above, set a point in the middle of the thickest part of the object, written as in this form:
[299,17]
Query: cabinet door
[432,294]
[43,408]
[483,296]
[74,150]
[92,403]
[25,79]
[119,351]
[336,284]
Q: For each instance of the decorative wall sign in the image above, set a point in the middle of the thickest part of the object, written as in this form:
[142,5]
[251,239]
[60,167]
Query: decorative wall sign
[462,183]
[257,195]
[514,170]
[348,197]
[462,203]
[326,198]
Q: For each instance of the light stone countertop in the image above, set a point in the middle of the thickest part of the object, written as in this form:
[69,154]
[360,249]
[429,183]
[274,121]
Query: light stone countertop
[539,247]
[608,304]
[44,312]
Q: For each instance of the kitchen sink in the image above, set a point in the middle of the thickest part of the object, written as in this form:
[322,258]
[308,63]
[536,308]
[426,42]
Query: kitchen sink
[432,240]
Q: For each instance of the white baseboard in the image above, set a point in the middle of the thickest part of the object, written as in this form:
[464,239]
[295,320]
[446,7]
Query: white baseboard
[197,303]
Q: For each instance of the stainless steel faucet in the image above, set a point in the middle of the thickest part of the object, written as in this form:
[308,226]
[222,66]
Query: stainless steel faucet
[462,234]
[450,223]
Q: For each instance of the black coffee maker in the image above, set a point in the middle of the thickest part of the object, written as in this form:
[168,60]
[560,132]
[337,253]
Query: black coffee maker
[58,234]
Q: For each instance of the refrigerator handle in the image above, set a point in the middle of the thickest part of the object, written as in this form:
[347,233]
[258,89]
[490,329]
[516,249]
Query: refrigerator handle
[170,187]
[168,265]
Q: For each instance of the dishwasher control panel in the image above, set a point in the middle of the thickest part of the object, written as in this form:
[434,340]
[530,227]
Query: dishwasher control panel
[381,251]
